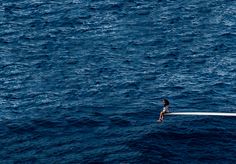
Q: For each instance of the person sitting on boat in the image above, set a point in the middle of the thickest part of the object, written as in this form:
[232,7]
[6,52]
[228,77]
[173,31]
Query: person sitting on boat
[166,104]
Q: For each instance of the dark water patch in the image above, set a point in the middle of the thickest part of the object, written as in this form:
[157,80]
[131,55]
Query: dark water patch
[97,114]
[142,113]
[83,122]
[27,160]
[220,48]
[130,85]
[15,140]
[117,121]
[66,150]
[20,127]
[176,143]
[228,35]
[45,123]
[150,151]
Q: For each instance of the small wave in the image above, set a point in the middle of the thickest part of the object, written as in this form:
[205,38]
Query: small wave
[19,127]
[117,121]
[27,160]
[46,123]
[83,122]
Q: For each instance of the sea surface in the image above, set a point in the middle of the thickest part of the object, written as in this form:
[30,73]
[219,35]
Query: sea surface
[81,81]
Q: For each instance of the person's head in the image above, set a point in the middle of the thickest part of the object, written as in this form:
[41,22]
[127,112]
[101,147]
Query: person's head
[165,102]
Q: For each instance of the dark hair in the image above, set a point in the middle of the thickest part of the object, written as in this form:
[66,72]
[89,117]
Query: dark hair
[166,102]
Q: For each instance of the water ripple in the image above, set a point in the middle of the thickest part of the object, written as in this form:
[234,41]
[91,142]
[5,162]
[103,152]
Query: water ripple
[82,81]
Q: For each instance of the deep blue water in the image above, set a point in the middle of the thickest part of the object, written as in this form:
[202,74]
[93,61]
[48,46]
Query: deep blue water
[81,81]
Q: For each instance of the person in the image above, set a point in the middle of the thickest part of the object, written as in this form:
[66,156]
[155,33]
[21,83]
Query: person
[166,104]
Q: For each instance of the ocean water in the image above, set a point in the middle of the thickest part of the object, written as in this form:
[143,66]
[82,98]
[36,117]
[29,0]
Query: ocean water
[81,81]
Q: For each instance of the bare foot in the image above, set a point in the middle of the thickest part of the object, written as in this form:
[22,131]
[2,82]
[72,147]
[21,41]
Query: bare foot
[159,120]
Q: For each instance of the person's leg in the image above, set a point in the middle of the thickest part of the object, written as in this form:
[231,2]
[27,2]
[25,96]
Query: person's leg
[161,116]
